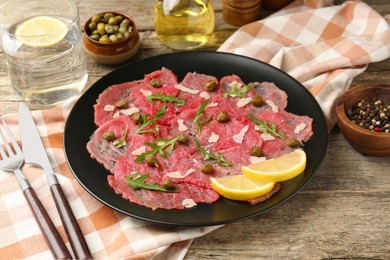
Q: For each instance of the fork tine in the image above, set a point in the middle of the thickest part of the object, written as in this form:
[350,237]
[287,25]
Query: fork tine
[3,141]
[10,138]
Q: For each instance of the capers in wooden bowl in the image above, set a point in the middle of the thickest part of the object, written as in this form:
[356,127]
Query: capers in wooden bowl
[111,37]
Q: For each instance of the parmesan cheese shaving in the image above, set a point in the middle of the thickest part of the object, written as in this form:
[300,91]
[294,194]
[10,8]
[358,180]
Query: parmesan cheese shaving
[145,92]
[272,105]
[238,138]
[116,114]
[204,95]
[255,159]
[188,203]
[213,138]
[139,151]
[182,126]
[213,104]
[243,101]
[130,111]
[235,83]
[188,90]
[109,108]
[267,137]
[299,128]
[178,175]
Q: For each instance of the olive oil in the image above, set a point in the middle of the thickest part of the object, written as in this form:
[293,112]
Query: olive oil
[184,24]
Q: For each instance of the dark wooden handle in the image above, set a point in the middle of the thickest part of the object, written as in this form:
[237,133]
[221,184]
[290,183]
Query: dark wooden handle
[50,233]
[73,231]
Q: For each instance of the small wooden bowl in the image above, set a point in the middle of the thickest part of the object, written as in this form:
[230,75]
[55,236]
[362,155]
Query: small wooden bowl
[115,52]
[365,141]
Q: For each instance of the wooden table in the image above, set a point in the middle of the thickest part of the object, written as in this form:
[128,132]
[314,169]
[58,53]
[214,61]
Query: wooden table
[344,212]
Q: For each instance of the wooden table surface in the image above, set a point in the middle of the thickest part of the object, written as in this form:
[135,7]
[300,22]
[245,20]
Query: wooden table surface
[344,212]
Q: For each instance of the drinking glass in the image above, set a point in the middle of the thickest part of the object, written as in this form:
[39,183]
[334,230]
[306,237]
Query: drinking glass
[42,44]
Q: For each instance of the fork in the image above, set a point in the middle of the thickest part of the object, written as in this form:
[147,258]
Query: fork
[11,160]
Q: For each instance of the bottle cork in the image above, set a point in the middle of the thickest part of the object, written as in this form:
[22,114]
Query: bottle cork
[240,12]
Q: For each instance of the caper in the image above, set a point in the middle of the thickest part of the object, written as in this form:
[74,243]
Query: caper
[293,142]
[92,26]
[104,39]
[257,151]
[119,36]
[155,83]
[107,16]
[95,32]
[109,136]
[122,104]
[126,22]
[96,19]
[101,28]
[110,29]
[151,160]
[168,184]
[122,29]
[95,37]
[137,118]
[222,117]
[182,138]
[257,101]
[210,86]
[207,168]
[113,38]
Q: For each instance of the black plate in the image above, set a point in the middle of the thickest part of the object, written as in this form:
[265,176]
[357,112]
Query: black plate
[93,177]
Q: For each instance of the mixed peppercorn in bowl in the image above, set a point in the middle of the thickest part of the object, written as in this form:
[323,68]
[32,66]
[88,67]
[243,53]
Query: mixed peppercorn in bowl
[363,115]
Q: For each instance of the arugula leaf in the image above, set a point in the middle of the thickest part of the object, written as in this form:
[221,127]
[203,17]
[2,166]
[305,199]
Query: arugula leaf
[171,99]
[121,142]
[137,181]
[167,143]
[266,129]
[198,120]
[221,161]
[147,122]
[234,91]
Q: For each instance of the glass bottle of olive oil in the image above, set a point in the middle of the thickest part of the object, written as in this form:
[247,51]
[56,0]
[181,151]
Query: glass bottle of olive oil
[184,24]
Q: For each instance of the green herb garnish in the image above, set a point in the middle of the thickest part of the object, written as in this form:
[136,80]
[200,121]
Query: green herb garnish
[165,149]
[164,98]
[198,120]
[234,91]
[221,161]
[266,129]
[137,181]
[147,122]
[121,142]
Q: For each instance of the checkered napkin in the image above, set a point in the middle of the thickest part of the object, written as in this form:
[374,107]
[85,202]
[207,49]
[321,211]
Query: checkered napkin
[323,47]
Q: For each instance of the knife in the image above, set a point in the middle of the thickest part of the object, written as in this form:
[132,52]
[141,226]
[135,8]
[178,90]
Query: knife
[35,153]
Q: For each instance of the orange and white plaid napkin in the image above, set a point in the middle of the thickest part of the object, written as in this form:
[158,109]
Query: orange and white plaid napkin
[323,47]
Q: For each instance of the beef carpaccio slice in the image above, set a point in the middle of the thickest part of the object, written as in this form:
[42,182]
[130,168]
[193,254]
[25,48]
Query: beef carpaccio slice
[230,142]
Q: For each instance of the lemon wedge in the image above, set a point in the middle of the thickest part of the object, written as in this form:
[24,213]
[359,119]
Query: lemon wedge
[41,31]
[239,187]
[278,169]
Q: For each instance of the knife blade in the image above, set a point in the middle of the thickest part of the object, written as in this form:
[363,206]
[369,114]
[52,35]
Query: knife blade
[35,153]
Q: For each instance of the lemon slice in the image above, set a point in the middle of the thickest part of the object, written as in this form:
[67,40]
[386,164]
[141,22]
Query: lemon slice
[282,168]
[41,31]
[239,187]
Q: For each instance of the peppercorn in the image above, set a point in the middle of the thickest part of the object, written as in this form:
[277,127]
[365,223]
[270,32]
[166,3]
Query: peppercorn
[372,115]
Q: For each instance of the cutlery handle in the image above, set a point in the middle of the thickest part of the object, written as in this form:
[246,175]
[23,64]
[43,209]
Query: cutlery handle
[51,235]
[73,231]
